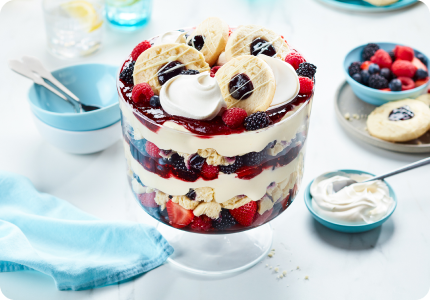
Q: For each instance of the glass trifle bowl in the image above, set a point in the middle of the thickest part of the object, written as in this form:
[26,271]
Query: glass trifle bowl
[213,188]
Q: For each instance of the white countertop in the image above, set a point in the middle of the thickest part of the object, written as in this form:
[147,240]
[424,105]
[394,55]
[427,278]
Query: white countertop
[390,262]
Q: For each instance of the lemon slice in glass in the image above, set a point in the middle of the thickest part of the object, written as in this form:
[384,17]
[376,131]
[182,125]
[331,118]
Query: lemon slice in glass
[85,12]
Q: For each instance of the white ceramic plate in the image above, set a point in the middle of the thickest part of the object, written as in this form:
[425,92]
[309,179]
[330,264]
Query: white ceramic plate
[347,102]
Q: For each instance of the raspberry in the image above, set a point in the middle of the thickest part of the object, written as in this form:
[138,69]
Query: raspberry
[294,59]
[382,59]
[258,119]
[234,117]
[306,85]
[152,150]
[365,65]
[209,172]
[376,81]
[214,70]
[354,68]
[127,73]
[139,49]
[403,68]
[201,223]
[407,83]
[307,70]
[142,93]
[404,53]
[224,221]
[368,51]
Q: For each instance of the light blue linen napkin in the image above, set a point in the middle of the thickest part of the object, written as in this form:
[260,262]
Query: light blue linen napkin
[43,233]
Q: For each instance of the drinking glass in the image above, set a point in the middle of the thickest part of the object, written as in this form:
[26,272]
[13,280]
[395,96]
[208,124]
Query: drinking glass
[128,14]
[73,27]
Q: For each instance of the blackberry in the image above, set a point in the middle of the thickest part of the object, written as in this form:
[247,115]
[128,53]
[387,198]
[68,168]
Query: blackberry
[253,158]
[189,72]
[233,167]
[392,55]
[374,68]
[127,73]
[154,101]
[395,85]
[357,77]
[196,162]
[177,162]
[368,51]
[224,221]
[307,70]
[354,68]
[376,81]
[365,77]
[386,73]
[422,58]
[421,74]
[180,169]
[191,194]
[256,121]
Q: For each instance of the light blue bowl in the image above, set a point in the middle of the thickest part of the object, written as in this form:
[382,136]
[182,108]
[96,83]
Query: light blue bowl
[374,96]
[348,228]
[93,84]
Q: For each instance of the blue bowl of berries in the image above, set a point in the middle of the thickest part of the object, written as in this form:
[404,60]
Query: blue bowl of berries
[383,72]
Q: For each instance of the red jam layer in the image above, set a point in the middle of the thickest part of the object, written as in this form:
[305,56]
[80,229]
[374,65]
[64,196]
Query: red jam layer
[203,128]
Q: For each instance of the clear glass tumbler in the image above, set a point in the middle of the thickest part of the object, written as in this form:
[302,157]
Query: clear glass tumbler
[73,27]
[128,14]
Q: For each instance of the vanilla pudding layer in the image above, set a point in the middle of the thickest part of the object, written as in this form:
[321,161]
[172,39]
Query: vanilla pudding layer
[226,186]
[171,136]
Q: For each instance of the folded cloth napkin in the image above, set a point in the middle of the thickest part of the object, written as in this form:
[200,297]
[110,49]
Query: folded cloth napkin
[43,233]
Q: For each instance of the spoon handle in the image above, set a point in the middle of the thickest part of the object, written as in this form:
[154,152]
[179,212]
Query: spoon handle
[411,166]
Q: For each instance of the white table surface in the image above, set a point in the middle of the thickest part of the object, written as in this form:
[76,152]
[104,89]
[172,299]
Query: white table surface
[391,262]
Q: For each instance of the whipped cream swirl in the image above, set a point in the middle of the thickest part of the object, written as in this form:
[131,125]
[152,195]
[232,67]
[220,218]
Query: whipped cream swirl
[174,36]
[192,96]
[287,81]
[359,203]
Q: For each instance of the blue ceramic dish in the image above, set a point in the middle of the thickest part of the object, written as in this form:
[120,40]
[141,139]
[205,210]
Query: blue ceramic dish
[374,96]
[93,84]
[342,227]
[361,6]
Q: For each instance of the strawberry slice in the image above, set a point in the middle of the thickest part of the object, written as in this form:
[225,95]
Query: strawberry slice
[178,215]
[418,63]
[420,82]
[147,199]
[365,65]
[244,215]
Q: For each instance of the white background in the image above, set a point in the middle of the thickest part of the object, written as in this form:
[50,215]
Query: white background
[390,262]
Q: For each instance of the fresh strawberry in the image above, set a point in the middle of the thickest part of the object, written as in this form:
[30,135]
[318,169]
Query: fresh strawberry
[306,85]
[201,223]
[139,49]
[294,59]
[382,59]
[404,53]
[142,93]
[407,83]
[403,68]
[214,70]
[244,215]
[365,65]
[421,82]
[209,172]
[260,219]
[178,215]
[418,63]
[147,199]
[286,202]
[234,117]
[152,150]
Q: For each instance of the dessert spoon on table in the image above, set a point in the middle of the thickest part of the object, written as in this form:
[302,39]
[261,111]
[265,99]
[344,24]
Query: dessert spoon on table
[338,185]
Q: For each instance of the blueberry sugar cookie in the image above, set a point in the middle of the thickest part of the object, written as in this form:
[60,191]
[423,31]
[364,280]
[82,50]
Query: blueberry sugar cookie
[254,40]
[399,121]
[158,64]
[247,82]
[210,38]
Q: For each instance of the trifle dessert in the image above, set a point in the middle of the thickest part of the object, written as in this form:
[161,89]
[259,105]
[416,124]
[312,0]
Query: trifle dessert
[215,121]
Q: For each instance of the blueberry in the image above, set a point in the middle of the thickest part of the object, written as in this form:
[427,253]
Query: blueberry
[395,85]
[154,101]
[385,72]
[357,77]
[422,58]
[365,77]
[392,55]
[373,69]
[421,74]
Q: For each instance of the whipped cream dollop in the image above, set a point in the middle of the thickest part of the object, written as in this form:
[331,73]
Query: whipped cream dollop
[222,60]
[169,37]
[359,203]
[192,96]
[287,81]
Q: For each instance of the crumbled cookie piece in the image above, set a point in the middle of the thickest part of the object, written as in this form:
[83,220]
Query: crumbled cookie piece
[185,202]
[161,199]
[211,209]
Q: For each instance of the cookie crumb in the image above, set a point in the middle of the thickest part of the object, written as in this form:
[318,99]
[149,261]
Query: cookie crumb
[356,116]
[306,277]
[347,116]
[270,254]
[284,273]
[281,276]
[276,269]
[298,268]
[270,267]
[267,265]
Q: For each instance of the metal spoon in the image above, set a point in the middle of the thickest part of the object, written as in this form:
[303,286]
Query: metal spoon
[338,185]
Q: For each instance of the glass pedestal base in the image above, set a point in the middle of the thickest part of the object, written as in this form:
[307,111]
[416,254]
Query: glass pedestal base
[210,254]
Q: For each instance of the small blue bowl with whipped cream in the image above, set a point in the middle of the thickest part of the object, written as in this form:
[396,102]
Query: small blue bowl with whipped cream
[357,208]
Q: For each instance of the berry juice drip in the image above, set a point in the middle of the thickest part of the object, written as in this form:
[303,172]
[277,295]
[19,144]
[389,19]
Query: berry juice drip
[205,129]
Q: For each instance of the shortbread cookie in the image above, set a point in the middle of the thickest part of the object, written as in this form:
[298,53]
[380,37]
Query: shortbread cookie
[247,82]
[424,99]
[254,40]
[210,38]
[381,2]
[399,121]
[159,63]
